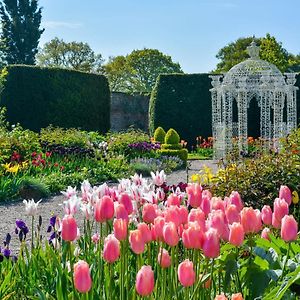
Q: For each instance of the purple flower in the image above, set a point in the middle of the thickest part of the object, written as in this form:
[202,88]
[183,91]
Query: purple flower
[6,252]
[7,239]
[49,228]
[20,224]
[52,221]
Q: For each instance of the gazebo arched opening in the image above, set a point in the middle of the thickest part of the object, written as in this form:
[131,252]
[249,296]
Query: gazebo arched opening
[253,80]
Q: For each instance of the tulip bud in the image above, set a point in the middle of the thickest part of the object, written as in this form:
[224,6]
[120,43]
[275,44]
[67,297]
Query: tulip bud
[68,228]
[289,228]
[170,234]
[104,209]
[186,273]
[144,281]
[120,229]
[286,194]
[164,259]
[136,241]
[111,251]
[82,277]
[236,234]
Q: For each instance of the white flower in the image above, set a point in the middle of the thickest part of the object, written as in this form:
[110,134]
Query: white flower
[87,210]
[72,205]
[77,251]
[159,178]
[31,207]
[69,192]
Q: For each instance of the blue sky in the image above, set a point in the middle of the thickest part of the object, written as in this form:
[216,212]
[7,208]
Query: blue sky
[191,31]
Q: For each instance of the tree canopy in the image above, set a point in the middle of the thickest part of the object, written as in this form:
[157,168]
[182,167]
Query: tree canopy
[21,31]
[74,55]
[137,72]
[270,50]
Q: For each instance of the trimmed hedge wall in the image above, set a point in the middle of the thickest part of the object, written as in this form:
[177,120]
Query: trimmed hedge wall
[36,97]
[183,102]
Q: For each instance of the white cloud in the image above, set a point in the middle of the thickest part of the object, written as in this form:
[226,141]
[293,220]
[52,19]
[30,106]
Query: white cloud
[59,24]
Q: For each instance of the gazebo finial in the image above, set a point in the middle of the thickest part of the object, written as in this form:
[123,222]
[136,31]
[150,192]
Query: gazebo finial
[253,50]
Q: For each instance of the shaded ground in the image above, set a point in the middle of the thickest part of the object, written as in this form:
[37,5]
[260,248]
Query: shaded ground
[9,212]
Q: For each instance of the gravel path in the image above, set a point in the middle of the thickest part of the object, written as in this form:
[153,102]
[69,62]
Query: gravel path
[9,212]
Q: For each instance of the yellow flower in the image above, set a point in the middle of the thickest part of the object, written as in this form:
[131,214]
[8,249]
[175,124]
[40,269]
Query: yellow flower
[195,178]
[11,169]
[295,197]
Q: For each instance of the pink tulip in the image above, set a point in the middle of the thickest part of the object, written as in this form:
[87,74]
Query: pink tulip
[170,234]
[217,204]
[159,223]
[136,241]
[265,234]
[120,229]
[232,214]
[82,277]
[145,231]
[206,202]
[193,236]
[266,215]
[197,215]
[286,194]
[149,212]
[164,259]
[289,228]
[104,209]
[111,251]
[172,214]
[95,238]
[236,234]
[126,200]
[250,220]
[186,273]
[236,200]
[144,281]
[221,297]
[280,208]
[183,214]
[237,296]
[68,228]
[211,245]
[173,199]
[121,212]
[194,192]
[216,220]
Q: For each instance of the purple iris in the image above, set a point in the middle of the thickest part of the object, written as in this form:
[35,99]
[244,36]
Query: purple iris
[6,252]
[52,221]
[20,224]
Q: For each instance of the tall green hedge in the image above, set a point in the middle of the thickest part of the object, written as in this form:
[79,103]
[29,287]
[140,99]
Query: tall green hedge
[183,102]
[36,97]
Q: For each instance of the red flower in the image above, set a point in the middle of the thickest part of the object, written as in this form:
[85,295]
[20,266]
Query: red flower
[48,154]
[33,154]
[56,164]
[62,168]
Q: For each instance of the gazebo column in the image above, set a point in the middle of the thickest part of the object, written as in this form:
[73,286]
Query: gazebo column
[291,109]
[214,98]
[278,116]
[265,118]
[227,121]
[242,120]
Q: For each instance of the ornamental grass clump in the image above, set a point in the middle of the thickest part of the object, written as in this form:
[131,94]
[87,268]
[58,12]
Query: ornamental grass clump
[143,239]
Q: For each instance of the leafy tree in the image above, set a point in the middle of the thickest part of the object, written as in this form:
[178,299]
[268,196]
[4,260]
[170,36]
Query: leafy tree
[137,72]
[74,55]
[21,31]
[270,50]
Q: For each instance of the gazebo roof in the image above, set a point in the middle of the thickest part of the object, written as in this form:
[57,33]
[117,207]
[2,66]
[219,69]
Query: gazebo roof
[253,72]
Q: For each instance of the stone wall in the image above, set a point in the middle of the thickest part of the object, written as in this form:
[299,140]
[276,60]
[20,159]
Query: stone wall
[129,111]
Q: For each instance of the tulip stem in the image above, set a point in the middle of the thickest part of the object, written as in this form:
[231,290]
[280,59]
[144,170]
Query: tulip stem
[211,276]
[285,261]
[32,234]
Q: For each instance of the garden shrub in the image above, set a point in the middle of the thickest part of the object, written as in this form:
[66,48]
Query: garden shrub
[171,146]
[172,137]
[182,153]
[36,97]
[159,135]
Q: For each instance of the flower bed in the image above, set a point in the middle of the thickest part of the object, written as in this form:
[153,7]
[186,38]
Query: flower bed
[144,239]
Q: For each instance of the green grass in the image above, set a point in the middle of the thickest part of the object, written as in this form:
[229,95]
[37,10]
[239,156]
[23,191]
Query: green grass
[197,156]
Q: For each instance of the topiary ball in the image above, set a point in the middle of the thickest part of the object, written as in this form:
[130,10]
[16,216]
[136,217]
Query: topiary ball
[159,135]
[172,137]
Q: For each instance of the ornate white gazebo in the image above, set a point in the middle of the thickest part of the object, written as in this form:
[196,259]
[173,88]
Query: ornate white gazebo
[250,80]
